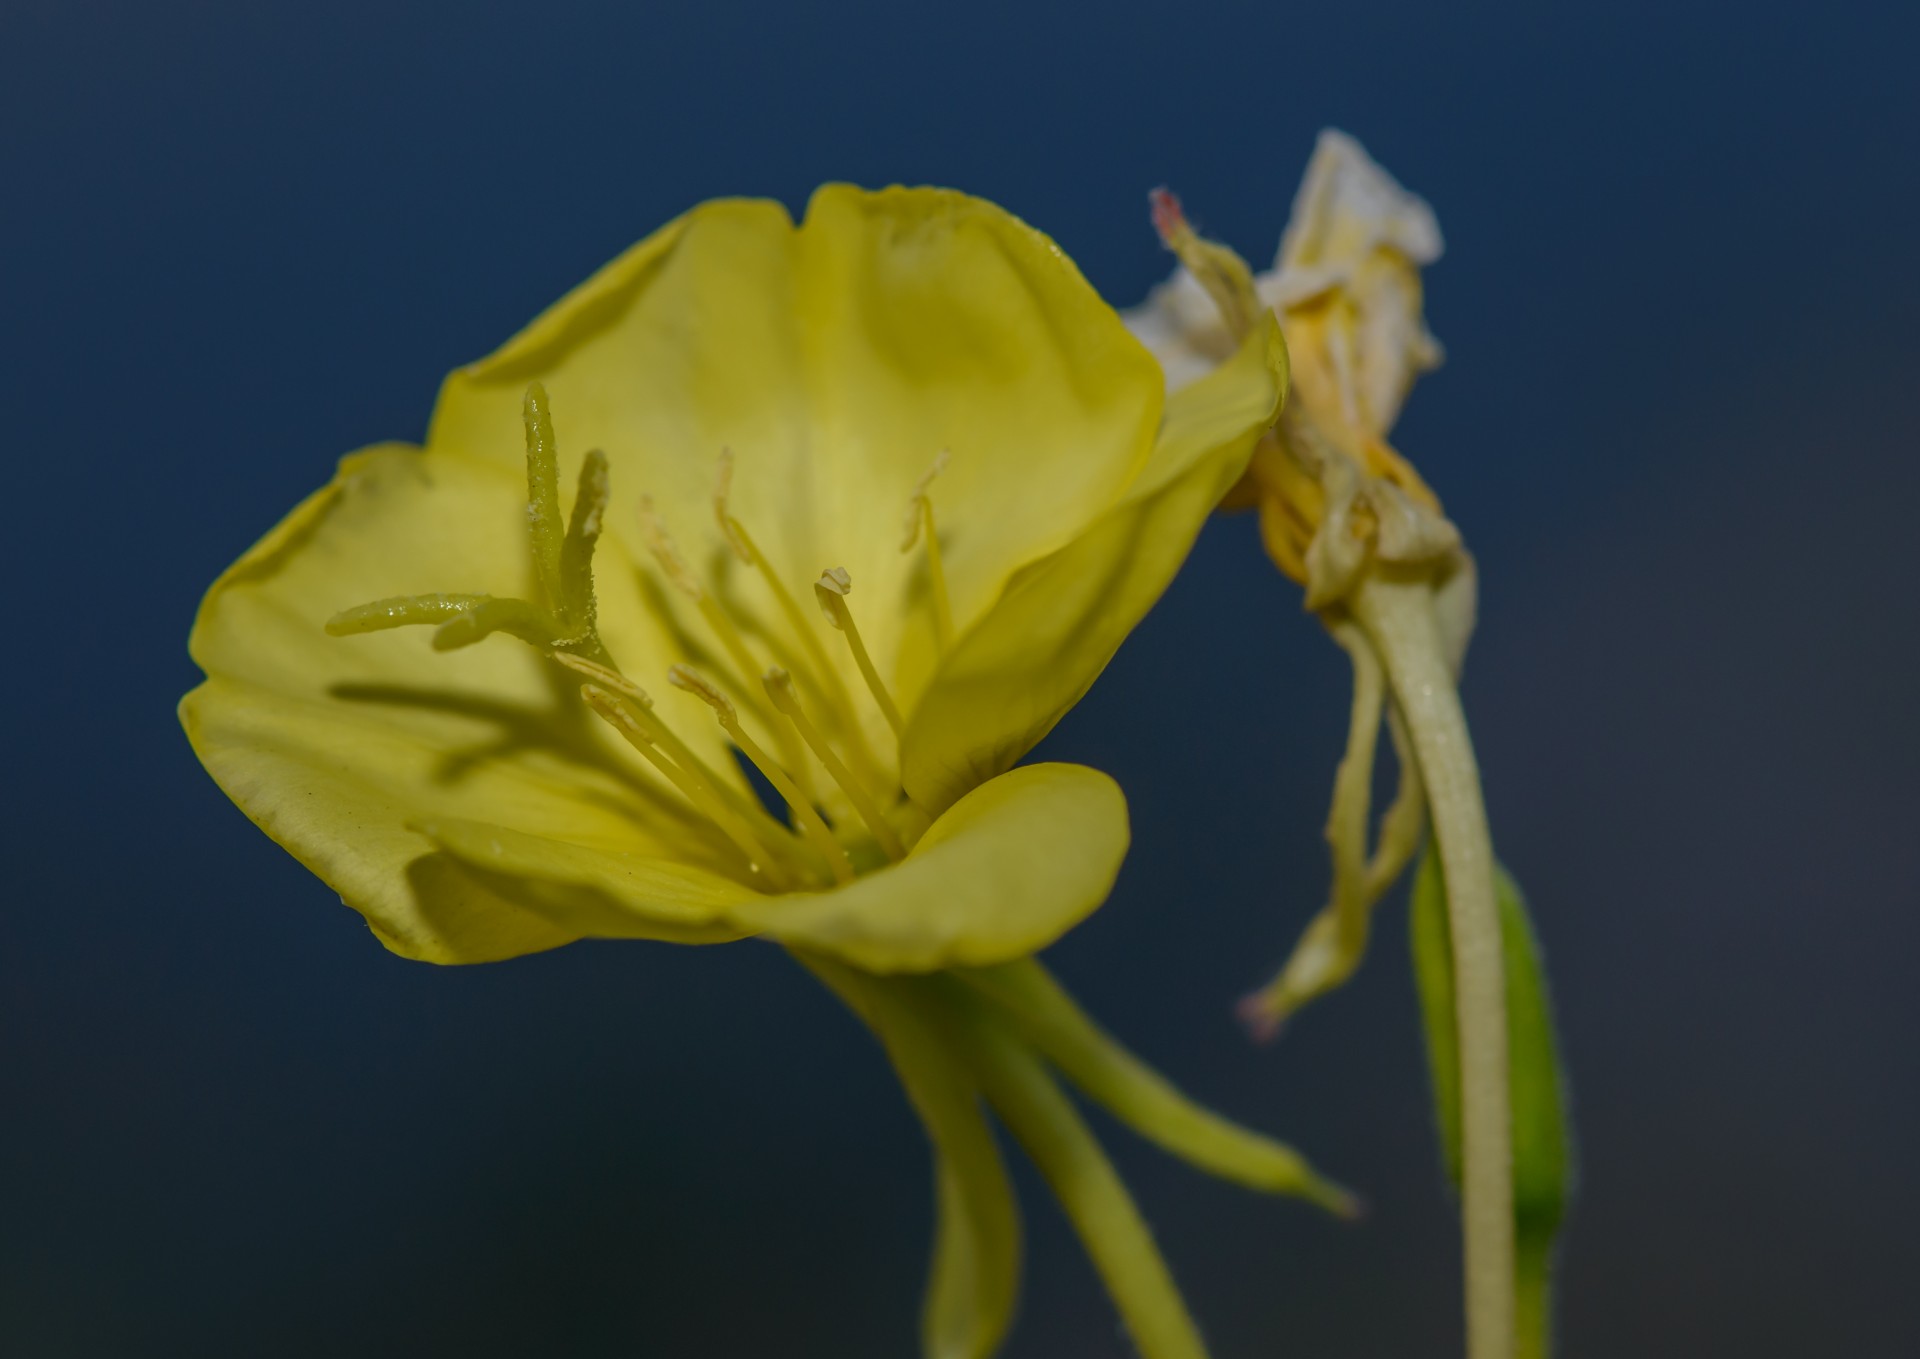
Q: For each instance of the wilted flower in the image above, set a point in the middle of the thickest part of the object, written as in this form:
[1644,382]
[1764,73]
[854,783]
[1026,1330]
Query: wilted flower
[1343,513]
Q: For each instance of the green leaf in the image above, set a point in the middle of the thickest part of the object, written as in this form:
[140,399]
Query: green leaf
[1542,1136]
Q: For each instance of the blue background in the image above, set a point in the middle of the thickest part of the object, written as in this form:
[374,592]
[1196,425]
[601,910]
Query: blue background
[1676,423]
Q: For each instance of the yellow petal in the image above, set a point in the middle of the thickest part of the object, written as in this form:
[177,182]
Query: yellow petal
[599,893]
[1006,871]
[334,745]
[837,360]
[1032,656]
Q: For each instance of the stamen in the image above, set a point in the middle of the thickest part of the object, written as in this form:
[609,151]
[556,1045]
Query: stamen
[606,678]
[722,489]
[820,671]
[659,542]
[662,735]
[831,590]
[804,812]
[623,720]
[543,492]
[919,519]
[780,690]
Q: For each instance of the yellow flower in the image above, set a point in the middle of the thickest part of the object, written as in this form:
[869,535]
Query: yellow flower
[761,404]
[472,809]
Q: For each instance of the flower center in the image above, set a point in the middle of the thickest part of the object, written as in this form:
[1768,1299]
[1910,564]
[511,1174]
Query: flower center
[789,713]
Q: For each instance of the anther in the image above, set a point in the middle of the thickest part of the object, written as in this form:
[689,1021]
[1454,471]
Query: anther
[704,689]
[660,734]
[667,553]
[729,528]
[660,543]
[919,519]
[832,590]
[779,686]
[606,678]
[804,812]
[819,671]
[640,735]
[917,498]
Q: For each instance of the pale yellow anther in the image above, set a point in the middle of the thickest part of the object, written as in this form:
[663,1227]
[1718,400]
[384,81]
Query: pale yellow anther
[642,736]
[819,669]
[803,810]
[605,677]
[780,692]
[920,523]
[831,590]
[667,553]
[704,689]
[729,528]
[660,543]
[837,583]
[918,507]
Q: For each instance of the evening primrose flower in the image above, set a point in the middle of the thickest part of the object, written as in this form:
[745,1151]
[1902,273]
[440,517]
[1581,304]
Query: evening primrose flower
[864,506]
[1343,513]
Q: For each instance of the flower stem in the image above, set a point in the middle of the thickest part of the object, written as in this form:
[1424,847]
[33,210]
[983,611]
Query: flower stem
[1398,615]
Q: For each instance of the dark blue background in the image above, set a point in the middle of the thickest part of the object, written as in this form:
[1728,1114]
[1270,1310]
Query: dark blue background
[237,240]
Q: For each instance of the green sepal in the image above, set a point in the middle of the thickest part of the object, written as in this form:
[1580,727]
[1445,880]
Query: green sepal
[1025,995]
[1543,1170]
[973,1286]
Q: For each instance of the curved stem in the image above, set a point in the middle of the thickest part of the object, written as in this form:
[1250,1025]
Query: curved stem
[1398,615]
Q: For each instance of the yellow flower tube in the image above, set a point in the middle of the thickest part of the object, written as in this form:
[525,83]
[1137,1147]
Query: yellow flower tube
[757,411]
